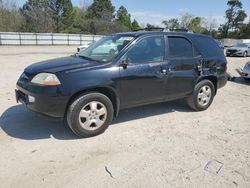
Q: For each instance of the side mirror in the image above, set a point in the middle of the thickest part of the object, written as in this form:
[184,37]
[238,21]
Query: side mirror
[124,63]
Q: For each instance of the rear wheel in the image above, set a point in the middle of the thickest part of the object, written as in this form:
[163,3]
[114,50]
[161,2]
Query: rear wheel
[202,96]
[90,114]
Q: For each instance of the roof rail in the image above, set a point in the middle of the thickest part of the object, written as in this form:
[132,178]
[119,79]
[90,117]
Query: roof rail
[150,29]
[164,29]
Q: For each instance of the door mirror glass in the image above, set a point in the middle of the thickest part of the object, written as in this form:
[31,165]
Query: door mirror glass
[124,62]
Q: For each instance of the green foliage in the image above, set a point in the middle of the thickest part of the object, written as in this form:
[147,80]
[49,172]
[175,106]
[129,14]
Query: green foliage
[135,25]
[150,26]
[171,24]
[195,25]
[185,20]
[101,9]
[10,17]
[245,31]
[100,18]
[63,13]
[123,17]
[38,16]
[235,17]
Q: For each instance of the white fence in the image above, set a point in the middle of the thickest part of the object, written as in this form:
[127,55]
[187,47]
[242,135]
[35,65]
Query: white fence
[231,42]
[12,38]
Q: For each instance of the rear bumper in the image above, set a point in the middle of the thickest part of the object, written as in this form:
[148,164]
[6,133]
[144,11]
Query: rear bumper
[222,80]
[46,103]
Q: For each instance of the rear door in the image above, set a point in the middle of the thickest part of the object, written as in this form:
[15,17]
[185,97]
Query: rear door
[183,65]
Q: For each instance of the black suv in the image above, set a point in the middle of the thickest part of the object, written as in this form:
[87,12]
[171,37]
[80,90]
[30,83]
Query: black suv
[122,71]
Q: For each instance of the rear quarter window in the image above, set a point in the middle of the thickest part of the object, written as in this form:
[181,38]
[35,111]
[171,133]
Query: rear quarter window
[207,47]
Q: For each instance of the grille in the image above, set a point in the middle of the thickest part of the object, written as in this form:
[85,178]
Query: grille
[232,51]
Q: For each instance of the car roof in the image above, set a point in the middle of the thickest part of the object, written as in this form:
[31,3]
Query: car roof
[146,33]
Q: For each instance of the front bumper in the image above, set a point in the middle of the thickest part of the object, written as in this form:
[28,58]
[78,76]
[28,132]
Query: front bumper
[238,53]
[43,100]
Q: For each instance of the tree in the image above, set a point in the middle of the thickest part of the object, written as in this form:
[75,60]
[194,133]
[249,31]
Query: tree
[63,13]
[79,24]
[101,9]
[10,17]
[123,17]
[210,24]
[195,25]
[38,16]
[185,20]
[150,26]
[171,24]
[244,31]
[235,17]
[135,25]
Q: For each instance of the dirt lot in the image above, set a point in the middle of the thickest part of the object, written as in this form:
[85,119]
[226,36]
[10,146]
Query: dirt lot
[162,145]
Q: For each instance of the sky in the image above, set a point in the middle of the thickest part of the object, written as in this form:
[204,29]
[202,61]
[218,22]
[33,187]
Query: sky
[154,11]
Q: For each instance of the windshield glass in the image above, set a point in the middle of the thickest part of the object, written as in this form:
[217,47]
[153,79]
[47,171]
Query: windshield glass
[240,45]
[106,48]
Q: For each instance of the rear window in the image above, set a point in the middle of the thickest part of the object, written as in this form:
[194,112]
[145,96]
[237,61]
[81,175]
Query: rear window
[208,47]
[180,48]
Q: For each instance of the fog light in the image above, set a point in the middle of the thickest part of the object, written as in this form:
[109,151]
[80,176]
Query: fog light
[31,99]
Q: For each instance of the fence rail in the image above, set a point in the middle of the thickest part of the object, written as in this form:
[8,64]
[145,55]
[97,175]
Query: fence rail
[12,38]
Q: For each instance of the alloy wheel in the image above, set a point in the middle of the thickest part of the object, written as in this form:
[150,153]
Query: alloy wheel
[93,115]
[204,95]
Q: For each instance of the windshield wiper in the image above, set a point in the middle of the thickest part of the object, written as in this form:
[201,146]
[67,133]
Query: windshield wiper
[85,57]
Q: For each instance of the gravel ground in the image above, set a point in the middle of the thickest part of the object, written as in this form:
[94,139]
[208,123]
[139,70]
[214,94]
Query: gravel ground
[161,145]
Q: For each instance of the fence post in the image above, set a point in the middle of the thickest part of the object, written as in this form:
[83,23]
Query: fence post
[36,39]
[80,39]
[68,39]
[52,39]
[20,39]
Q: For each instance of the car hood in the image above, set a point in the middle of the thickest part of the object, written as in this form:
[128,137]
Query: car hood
[61,64]
[237,48]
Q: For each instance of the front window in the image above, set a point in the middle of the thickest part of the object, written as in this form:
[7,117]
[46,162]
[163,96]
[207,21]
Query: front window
[147,50]
[106,48]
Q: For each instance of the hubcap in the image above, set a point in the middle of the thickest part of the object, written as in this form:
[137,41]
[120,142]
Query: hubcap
[204,95]
[93,115]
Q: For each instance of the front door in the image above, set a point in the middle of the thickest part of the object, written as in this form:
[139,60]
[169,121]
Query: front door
[142,81]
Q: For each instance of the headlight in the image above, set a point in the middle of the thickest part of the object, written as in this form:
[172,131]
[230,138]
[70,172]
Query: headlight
[46,79]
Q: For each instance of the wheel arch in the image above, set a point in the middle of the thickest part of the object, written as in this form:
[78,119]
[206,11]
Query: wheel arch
[211,78]
[107,91]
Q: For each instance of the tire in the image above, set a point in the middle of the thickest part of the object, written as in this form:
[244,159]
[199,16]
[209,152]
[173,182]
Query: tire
[194,101]
[90,122]
[245,54]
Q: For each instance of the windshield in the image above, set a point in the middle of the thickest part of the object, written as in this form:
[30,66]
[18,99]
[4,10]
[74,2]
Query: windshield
[106,48]
[241,45]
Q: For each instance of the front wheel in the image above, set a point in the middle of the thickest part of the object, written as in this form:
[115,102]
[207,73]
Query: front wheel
[245,54]
[202,96]
[90,114]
